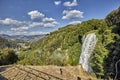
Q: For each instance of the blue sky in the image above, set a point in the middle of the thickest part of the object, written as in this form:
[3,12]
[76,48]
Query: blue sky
[31,17]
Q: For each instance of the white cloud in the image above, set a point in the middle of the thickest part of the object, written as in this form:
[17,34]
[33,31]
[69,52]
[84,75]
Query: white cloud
[26,25]
[48,20]
[51,24]
[10,22]
[57,2]
[23,27]
[24,32]
[72,14]
[70,4]
[75,22]
[36,24]
[35,14]
[47,23]
[19,29]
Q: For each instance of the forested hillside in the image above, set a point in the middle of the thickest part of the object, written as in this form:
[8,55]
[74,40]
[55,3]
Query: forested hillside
[62,47]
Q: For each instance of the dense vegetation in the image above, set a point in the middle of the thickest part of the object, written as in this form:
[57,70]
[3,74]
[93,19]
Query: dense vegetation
[107,50]
[63,47]
[7,53]
[7,56]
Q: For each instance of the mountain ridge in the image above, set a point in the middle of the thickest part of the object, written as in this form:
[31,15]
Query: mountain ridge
[23,37]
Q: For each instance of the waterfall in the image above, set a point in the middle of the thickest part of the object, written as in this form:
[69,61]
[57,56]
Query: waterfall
[87,48]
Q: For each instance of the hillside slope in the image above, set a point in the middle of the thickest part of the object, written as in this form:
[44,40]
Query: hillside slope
[7,43]
[62,47]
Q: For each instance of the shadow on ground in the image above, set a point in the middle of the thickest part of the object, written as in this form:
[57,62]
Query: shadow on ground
[3,68]
[2,77]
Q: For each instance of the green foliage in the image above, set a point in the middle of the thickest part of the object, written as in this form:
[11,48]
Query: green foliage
[106,53]
[113,18]
[58,58]
[101,52]
[61,47]
[74,53]
[31,59]
[7,56]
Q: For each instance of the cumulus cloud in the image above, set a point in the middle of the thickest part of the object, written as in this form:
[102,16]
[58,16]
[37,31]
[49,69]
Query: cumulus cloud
[48,20]
[36,24]
[19,29]
[35,14]
[51,24]
[23,27]
[30,25]
[15,24]
[70,4]
[57,2]
[75,22]
[26,25]
[10,22]
[72,14]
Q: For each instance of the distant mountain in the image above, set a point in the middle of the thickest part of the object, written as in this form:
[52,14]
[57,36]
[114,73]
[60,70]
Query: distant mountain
[7,43]
[22,37]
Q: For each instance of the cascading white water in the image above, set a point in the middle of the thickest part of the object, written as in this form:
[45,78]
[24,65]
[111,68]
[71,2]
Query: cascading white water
[87,49]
